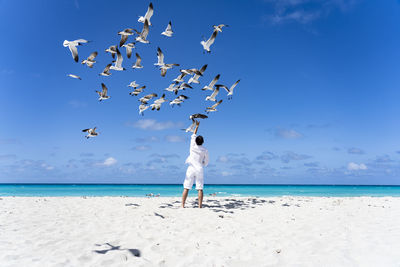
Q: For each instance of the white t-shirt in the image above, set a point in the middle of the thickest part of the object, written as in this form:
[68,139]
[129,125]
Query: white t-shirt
[198,157]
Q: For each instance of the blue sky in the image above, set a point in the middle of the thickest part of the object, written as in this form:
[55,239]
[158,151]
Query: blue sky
[317,102]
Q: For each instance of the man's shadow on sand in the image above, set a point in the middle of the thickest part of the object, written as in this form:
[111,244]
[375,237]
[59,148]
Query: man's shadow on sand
[226,205]
[135,252]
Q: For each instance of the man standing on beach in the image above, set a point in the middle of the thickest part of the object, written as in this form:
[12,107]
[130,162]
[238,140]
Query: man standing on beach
[198,158]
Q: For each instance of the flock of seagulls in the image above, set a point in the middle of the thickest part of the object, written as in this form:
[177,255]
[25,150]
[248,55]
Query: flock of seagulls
[178,84]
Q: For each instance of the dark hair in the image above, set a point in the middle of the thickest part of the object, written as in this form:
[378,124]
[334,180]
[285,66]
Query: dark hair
[199,140]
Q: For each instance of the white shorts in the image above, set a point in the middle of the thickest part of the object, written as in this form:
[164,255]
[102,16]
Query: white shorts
[191,175]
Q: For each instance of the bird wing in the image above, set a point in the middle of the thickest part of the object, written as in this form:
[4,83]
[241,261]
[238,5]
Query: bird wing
[85,130]
[169,27]
[92,56]
[214,81]
[234,85]
[118,63]
[138,59]
[223,86]
[215,92]
[104,89]
[107,68]
[149,12]
[129,51]
[216,104]
[123,39]
[74,51]
[212,38]
[160,56]
[145,30]
[81,41]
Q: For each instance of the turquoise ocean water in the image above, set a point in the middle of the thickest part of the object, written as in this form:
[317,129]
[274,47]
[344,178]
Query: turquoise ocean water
[140,190]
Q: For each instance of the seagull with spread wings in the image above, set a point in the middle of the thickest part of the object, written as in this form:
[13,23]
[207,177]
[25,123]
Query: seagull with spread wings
[195,78]
[106,71]
[72,45]
[147,98]
[112,50]
[90,60]
[91,132]
[219,27]
[158,102]
[178,100]
[142,36]
[129,47]
[206,44]
[118,63]
[168,31]
[103,93]
[137,90]
[124,35]
[214,94]
[213,107]
[230,90]
[147,16]
[137,64]
[212,83]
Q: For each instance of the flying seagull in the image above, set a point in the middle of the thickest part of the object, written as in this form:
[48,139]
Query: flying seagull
[166,67]
[178,100]
[106,71]
[213,107]
[124,35]
[142,107]
[206,44]
[146,98]
[118,63]
[137,63]
[157,103]
[198,116]
[219,27]
[191,71]
[212,83]
[168,31]
[72,45]
[74,76]
[133,85]
[103,94]
[142,36]
[137,90]
[230,90]
[90,60]
[91,132]
[179,79]
[129,47]
[195,78]
[148,14]
[191,127]
[112,50]
[214,94]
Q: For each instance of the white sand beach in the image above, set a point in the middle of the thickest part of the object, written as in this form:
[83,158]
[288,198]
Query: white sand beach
[240,231]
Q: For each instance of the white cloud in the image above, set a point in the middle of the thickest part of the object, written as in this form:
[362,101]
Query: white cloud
[223,159]
[141,148]
[287,134]
[108,162]
[174,138]
[225,173]
[149,124]
[355,150]
[355,167]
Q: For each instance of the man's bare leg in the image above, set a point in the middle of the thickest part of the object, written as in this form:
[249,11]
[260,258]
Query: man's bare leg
[200,196]
[184,196]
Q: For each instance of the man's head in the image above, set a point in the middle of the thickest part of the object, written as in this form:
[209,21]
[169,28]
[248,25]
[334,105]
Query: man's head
[199,140]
